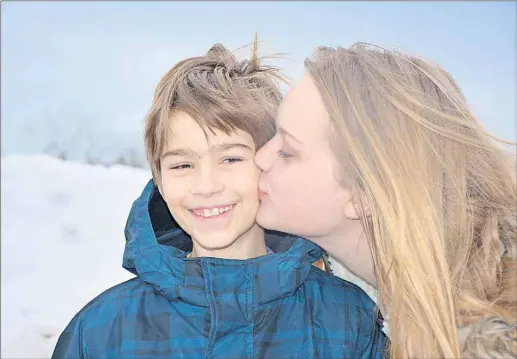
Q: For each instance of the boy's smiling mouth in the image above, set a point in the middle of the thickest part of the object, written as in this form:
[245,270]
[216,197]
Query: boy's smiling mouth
[212,212]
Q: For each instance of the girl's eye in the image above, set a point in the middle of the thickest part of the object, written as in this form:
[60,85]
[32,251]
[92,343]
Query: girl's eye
[231,160]
[284,154]
[182,166]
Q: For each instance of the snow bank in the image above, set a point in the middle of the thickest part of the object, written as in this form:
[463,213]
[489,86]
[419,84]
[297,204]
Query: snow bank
[62,244]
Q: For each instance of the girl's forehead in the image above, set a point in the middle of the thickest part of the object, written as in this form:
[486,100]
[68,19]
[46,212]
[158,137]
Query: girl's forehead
[303,112]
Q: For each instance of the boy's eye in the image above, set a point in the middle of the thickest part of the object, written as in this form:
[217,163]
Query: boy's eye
[230,160]
[181,166]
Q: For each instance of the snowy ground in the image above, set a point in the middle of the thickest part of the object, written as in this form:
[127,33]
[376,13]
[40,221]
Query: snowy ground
[62,243]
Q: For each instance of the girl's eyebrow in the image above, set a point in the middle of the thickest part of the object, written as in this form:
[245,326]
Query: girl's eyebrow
[291,136]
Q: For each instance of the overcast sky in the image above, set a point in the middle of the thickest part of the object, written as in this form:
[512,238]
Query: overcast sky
[91,67]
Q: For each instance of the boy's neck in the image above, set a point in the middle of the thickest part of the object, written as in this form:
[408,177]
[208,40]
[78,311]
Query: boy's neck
[250,245]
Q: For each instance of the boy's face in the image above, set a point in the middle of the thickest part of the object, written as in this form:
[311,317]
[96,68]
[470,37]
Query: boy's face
[210,184]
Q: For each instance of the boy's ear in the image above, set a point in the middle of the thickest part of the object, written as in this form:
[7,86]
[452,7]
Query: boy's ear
[159,186]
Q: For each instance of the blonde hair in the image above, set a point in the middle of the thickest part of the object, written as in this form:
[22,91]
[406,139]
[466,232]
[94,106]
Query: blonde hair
[219,93]
[440,193]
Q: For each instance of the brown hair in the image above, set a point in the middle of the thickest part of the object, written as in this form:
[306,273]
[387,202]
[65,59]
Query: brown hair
[441,195]
[219,93]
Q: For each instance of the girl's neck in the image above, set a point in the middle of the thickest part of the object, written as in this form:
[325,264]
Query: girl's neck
[350,247]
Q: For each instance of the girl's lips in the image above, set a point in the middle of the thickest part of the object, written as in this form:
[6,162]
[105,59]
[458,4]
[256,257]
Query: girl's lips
[261,194]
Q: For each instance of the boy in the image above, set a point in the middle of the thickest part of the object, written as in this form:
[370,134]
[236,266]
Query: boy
[210,282]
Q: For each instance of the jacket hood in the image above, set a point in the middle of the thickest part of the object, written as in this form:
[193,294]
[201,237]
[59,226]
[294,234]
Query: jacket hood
[156,251]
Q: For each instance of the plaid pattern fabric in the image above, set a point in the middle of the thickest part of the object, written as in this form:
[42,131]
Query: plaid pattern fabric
[275,306]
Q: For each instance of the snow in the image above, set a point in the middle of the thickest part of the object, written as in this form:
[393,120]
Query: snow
[62,244]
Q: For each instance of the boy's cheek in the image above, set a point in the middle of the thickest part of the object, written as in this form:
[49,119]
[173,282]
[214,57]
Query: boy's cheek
[248,179]
[174,186]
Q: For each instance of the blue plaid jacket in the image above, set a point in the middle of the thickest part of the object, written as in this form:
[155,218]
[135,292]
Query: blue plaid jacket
[275,306]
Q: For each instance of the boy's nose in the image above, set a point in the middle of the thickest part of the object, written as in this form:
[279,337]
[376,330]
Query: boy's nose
[207,184]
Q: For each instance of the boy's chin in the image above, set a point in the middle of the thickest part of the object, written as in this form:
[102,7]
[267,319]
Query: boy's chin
[215,241]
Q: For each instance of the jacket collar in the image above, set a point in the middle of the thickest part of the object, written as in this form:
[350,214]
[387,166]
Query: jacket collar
[156,251]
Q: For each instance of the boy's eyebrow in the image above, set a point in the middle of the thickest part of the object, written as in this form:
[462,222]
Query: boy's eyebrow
[291,136]
[186,152]
[228,146]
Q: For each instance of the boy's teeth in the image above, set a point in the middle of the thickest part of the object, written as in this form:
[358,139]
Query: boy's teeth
[214,211]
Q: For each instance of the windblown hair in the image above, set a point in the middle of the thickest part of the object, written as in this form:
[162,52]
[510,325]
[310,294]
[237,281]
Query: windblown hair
[219,93]
[440,194]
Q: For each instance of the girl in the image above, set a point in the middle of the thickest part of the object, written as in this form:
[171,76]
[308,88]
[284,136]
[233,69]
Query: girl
[379,160]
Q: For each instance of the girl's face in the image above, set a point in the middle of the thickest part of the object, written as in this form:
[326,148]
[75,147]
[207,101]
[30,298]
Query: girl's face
[298,188]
